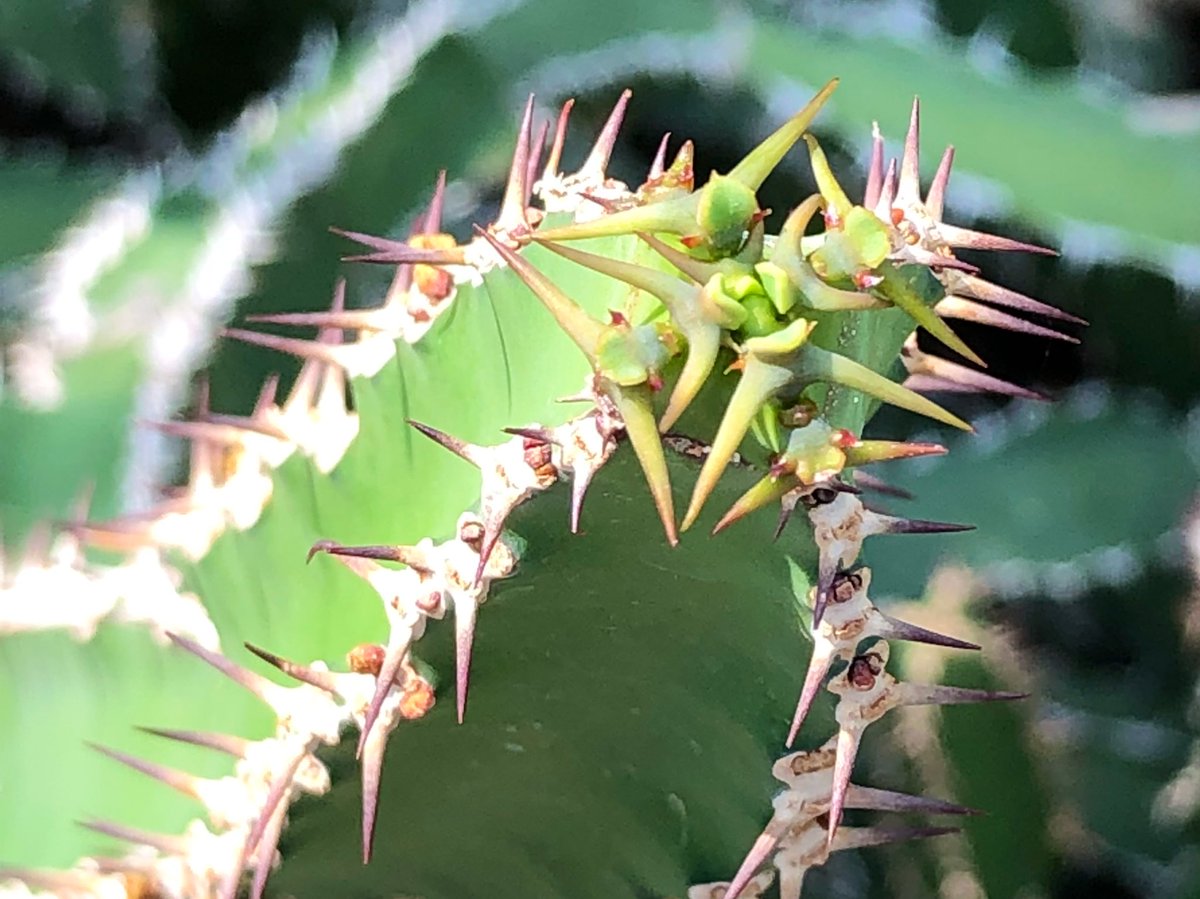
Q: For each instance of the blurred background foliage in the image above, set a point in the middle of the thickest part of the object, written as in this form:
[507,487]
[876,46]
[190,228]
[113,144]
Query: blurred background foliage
[168,165]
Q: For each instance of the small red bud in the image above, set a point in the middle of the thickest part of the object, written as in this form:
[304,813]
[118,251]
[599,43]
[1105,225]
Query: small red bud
[842,438]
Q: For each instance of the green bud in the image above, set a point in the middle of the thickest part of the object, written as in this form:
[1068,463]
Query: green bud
[726,214]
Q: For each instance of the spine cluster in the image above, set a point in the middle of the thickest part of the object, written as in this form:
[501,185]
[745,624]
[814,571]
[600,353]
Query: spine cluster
[777,306]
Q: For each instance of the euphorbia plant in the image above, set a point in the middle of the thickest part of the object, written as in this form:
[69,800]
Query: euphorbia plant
[667,317]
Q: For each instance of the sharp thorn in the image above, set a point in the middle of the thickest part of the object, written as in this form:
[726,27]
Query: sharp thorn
[432,220]
[921,256]
[870,482]
[512,208]
[178,780]
[935,199]
[887,193]
[264,856]
[969,310]
[397,651]
[659,163]
[541,435]
[322,680]
[888,524]
[535,161]
[596,164]
[304,349]
[755,859]
[979,289]
[465,613]
[168,845]
[227,743]
[874,169]
[908,188]
[818,667]
[895,629]
[256,684]
[939,694]
[888,801]
[270,818]
[560,136]
[460,448]
[924,383]
[955,236]
[847,750]
[864,837]
[396,252]
[372,773]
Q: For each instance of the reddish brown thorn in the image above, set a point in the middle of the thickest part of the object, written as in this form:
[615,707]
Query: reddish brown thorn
[908,189]
[935,200]
[889,801]
[596,164]
[396,653]
[460,448]
[658,164]
[936,261]
[395,252]
[979,289]
[405,555]
[874,169]
[535,160]
[887,193]
[818,667]
[891,525]
[940,694]
[934,374]
[864,837]
[321,546]
[493,526]
[305,349]
[178,780]
[969,310]
[465,614]
[955,236]
[843,768]
[603,202]
[560,136]
[354,320]
[226,743]
[895,629]
[322,680]
[372,772]
[266,395]
[432,220]
[268,823]
[256,684]
[264,857]
[169,845]
[512,208]
[538,435]
[878,485]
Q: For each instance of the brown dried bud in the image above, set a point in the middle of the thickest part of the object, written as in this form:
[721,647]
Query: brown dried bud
[417,698]
[366,658]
